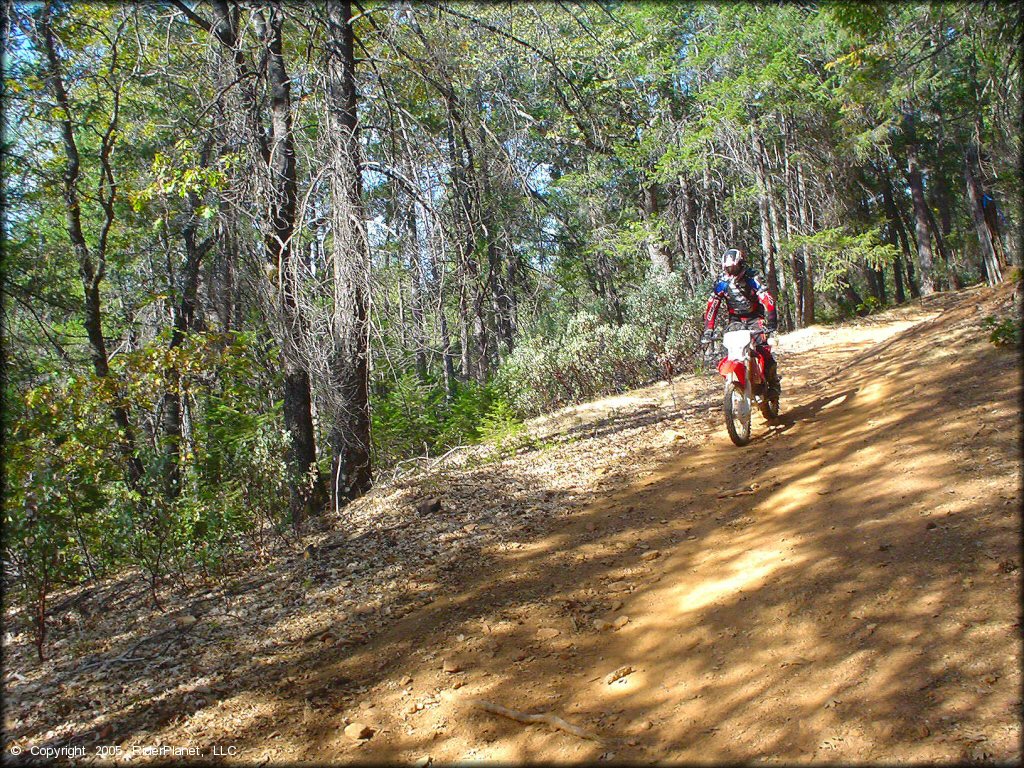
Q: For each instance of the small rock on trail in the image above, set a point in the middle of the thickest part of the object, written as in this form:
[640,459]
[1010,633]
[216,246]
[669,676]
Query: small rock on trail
[618,674]
[429,506]
[358,731]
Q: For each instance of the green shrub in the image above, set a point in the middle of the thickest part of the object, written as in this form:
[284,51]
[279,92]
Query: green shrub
[70,513]
[870,305]
[411,418]
[588,357]
[501,427]
[1002,333]
[404,421]
[460,420]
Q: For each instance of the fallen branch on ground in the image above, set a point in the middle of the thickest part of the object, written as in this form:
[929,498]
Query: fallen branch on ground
[105,664]
[618,674]
[745,491]
[127,657]
[544,717]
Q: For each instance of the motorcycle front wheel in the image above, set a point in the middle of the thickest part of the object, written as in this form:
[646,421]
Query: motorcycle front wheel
[770,409]
[737,414]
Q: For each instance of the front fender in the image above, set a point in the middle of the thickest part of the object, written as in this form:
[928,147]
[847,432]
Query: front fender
[736,368]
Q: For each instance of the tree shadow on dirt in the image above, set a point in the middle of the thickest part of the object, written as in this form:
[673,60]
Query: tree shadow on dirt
[619,422]
[806,413]
[836,614]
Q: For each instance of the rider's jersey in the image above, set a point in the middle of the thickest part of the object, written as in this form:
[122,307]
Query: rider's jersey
[745,298]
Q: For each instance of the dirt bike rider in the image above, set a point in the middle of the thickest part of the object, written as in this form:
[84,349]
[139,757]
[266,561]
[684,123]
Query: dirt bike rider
[746,299]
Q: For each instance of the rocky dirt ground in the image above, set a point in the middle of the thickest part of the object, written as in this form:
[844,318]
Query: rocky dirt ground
[845,588]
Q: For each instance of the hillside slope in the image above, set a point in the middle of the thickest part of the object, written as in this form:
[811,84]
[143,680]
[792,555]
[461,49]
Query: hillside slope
[844,588]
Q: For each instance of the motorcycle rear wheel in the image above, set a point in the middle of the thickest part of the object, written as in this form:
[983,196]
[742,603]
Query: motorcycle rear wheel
[737,414]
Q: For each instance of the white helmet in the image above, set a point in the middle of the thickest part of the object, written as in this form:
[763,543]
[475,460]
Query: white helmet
[733,262]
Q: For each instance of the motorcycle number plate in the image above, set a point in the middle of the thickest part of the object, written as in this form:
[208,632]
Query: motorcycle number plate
[736,343]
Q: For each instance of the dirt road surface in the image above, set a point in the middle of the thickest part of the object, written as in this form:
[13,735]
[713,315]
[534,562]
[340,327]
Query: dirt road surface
[845,588]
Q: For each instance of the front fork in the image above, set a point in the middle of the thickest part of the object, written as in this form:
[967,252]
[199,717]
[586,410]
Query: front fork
[747,390]
[748,397]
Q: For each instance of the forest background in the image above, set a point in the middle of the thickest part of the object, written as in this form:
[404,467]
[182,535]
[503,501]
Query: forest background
[258,255]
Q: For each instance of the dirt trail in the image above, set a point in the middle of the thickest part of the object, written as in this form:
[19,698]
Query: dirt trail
[845,588]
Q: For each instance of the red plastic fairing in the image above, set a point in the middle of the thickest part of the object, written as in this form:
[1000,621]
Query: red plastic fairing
[736,367]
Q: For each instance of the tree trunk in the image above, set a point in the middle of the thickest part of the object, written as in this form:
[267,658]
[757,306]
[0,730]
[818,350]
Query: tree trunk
[714,249]
[278,154]
[465,364]
[222,283]
[1004,252]
[447,356]
[897,275]
[904,224]
[307,493]
[349,429]
[91,262]
[852,297]
[791,210]
[915,290]
[465,236]
[989,259]
[767,243]
[940,243]
[942,199]
[897,235]
[513,278]
[872,278]
[416,294]
[924,246]
[483,335]
[661,259]
[687,234]
[501,305]
[183,316]
[806,225]
[782,297]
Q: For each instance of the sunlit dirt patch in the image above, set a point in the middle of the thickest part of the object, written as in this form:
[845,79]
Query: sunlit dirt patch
[843,589]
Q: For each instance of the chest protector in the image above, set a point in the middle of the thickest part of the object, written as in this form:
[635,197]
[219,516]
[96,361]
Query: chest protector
[740,298]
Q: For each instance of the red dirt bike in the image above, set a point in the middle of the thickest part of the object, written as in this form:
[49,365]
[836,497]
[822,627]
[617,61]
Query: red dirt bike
[743,368]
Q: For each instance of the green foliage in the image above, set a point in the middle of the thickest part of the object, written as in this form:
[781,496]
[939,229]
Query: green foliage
[69,513]
[412,418]
[588,357]
[240,487]
[870,305]
[404,420]
[461,418]
[522,163]
[1002,333]
[837,251]
[502,428]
